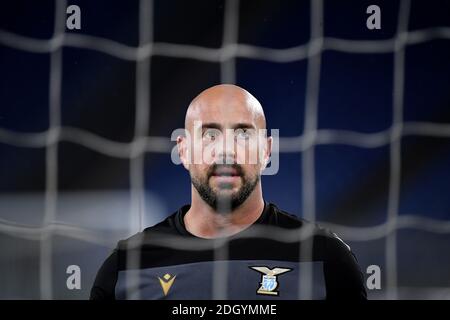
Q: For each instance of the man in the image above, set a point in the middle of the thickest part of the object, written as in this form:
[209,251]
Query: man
[229,243]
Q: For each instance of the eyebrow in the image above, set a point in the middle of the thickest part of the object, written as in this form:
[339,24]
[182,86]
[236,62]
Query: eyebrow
[239,125]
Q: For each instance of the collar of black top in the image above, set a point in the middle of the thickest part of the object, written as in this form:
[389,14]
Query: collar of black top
[181,227]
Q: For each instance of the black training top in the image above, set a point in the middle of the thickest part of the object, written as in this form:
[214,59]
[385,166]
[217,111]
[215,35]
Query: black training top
[274,258]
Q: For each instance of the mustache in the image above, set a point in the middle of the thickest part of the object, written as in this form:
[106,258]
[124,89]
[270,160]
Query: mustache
[215,167]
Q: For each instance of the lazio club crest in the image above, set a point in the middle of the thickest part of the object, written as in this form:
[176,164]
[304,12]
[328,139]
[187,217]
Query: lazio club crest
[269,282]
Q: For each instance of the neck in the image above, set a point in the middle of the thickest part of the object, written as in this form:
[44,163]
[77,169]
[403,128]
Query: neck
[203,221]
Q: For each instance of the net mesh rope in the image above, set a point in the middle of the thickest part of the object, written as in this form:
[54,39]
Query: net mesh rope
[226,56]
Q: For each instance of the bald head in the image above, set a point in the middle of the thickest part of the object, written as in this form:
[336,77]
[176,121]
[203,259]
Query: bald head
[225,103]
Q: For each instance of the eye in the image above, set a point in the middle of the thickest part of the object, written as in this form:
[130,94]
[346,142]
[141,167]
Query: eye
[242,134]
[211,134]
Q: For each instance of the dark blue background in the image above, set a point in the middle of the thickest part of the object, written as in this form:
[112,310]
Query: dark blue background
[356,94]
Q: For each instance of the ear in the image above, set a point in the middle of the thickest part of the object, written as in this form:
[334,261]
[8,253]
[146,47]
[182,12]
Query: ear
[183,151]
[267,152]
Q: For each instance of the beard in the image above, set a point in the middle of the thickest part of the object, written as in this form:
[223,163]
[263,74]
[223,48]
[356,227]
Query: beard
[224,203]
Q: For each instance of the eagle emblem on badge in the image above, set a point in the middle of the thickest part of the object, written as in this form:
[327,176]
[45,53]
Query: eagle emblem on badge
[269,282]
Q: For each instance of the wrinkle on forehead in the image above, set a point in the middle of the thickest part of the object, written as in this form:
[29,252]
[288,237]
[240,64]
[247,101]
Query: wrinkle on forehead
[225,95]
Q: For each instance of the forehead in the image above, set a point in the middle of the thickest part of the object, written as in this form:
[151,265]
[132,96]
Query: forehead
[225,108]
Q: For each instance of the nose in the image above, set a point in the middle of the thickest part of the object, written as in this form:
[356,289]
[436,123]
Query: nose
[226,157]
[227,152]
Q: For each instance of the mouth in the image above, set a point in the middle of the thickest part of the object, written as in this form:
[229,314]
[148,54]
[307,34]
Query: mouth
[226,182]
[225,172]
[226,175]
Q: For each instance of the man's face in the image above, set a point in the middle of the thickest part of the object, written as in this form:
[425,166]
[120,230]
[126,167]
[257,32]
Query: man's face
[227,155]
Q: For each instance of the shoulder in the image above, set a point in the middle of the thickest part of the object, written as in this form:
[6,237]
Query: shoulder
[328,241]
[284,219]
[163,228]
